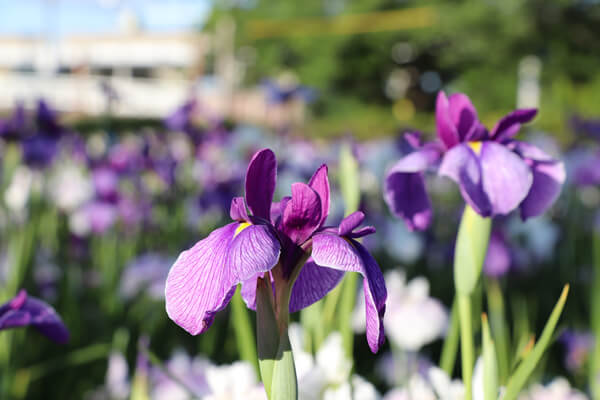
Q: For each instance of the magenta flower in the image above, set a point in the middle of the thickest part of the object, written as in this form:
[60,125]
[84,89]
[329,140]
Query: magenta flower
[273,242]
[496,173]
[24,310]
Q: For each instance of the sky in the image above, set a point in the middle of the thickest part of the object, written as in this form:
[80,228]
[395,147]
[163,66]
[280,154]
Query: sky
[33,17]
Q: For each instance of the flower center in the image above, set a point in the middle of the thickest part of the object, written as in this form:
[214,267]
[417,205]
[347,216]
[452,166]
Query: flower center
[240,228]
[475,146]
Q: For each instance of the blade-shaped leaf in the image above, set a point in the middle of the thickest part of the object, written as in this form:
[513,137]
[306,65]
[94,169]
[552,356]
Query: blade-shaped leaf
[490,363]
[519,378]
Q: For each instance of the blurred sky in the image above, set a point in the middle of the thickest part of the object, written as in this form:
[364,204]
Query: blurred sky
[32,17]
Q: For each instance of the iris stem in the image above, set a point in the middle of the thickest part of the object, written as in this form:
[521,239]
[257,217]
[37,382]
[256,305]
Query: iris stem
[595,319]
[466,342]
[450,348]
[469,255]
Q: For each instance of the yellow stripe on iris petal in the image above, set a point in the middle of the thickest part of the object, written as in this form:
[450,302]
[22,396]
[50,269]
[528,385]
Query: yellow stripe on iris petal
[475,146]
[240,228]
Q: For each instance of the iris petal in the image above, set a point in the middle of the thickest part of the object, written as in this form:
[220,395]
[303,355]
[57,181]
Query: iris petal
[203,278]
[335,252]
[261,177]
[462,165]
[302,214]
[25,310]
[510,124]
[313,283]
[507,178]
[319,182]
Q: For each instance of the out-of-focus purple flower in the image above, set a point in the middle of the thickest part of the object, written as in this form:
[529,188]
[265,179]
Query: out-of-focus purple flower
[182,120]
[587,172]
[147,272]
[24,310]
[106,183]
[38,150]
[578,346]
[279,94]
[495,173]
[498,259]
[275,238]
[589,127]
[15,126]
[95,217]
[125,157]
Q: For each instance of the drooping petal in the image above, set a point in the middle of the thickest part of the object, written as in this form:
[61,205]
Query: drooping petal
[498,258]
[510,124]
[313,283]
[25,310]
[238,211]
[417,161]
[407,198]
[506,177]
[463,115]
[319,182]
[462,165]
[350,222]
[548,178]
[254,249]
[335,252]
[302,214]
[200,282]
[404,188]
[260,183]
[446,129]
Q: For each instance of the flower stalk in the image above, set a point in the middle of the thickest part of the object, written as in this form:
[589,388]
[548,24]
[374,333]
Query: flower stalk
[471,247]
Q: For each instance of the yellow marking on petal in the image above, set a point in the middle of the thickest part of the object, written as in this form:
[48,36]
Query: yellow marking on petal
[240,228]
[475,146]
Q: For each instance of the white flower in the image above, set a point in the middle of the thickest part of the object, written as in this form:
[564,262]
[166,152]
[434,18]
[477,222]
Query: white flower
[327,375]
[69,187]
[18,191]
[233,382]
[412,318]
[558,389]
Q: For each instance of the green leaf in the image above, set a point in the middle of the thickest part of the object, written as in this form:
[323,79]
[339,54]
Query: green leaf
[285,384]
[267,334]
[346,309]
[349,179]
[242,328]
[519,378]
[471,247]
[499,327]
[450,348]
[490,363]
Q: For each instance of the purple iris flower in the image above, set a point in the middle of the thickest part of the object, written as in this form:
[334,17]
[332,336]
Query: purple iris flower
[271,243]
[578,346]
[499,258]
[24,310]
[587,172]
[495,173]
[14,128]
[280,94]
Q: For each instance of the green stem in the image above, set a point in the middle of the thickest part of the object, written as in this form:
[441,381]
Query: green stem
[499,327]
[595,319]
[466,342]
[450,348]
[243,330]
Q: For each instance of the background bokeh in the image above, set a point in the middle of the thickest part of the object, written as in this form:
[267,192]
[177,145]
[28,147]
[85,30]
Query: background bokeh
[126,127]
